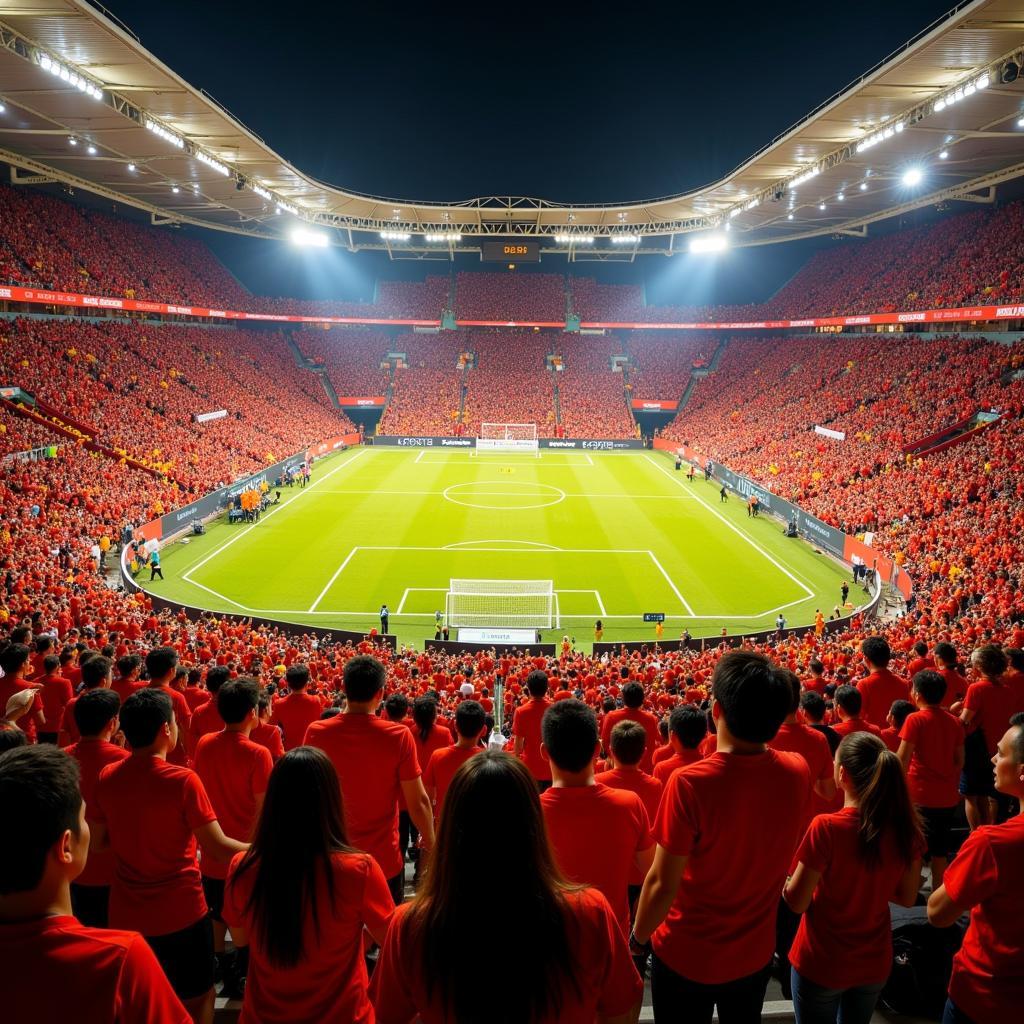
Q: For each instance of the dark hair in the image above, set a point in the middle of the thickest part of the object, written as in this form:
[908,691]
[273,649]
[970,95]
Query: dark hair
[628,742]
[144,714]
[930,685]
[849,699]
[632,695]
[95,709]
[946,653]
[816,666]
[51,663]
[813,705]
[901,710]
[920,648]
[216,677]
[40,797]
[424,714]
[1015,656]
[128,663]
[876,650]
[794,683]
[160,661]
[297,676]
[537,683]
[1017,720]
[300,826]
[470,718]
[754,699]
[990,661]
[95,672]
[492,812]
[236,698]
[12,657]
[569,731]
[880,785]
[396,707]
[11,737]
[689,725]
[363,678]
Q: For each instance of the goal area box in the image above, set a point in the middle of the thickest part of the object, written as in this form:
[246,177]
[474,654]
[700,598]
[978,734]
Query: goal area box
[508,604]
[508,437]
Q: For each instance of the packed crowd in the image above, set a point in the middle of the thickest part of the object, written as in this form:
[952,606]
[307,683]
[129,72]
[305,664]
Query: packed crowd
[661,361]
[497,296]
[427,390]
[352,358]
[592,401]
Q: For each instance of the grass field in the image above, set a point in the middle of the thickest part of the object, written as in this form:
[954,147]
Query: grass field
[619,534]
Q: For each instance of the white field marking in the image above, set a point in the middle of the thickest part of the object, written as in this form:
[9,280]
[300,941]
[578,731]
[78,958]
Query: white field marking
[675,589]
[735,529]
[238,536]
[517,483]
[527,543]
[600,603]
[330,582]
[216,593]
[423,451]
[558,614]
[401,604]
[596,593]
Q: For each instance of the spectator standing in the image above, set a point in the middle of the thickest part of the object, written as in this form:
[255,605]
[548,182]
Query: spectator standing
[96,675]
[446,760]
[428,737]
[633,699]
[849,705]
[55,693]
[265,732]
[880,687]
[296,712]
[162,666]
[687,728]
[526,728]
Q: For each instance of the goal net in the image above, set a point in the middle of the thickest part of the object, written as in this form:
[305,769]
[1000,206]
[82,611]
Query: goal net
[508,437]
[528,604]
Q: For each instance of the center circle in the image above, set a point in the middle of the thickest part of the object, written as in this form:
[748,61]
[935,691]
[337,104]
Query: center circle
[504,495]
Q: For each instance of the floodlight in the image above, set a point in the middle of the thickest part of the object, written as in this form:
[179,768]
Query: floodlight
[709,243]
[131,167]
[944,154]
[789,216]
[1020,122]
[316,239]
[913,177]
[175,189]
[3,109]
[863,186]
[91,150]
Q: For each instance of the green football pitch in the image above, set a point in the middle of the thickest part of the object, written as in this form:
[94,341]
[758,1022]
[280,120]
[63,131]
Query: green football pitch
[618,534]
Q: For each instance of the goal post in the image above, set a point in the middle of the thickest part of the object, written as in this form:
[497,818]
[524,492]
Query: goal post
[527,604]
[508,437]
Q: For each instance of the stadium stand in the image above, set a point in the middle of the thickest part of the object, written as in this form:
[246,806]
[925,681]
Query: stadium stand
[592,401]
[351,357]
[427,391]
[505,297]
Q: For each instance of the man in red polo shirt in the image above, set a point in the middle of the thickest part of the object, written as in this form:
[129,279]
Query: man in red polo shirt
[234,771]
[633,698]
[526,728]
[152,812]
[880,687]
[375,760]
[96,714]
[16,665]
[945,665]
[127,682]
[687,727]
[597,834]
[727,830]
[296,712]
[849,706]
[162,667]
[96,673]
[55,693]
[470,723]
[265,732]
[59,969]
[988,971]
[206,717]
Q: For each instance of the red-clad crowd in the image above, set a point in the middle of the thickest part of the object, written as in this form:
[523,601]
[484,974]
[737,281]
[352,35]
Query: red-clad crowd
[592,400]
[427,387]
[510,296]
[352,358]
[661,362]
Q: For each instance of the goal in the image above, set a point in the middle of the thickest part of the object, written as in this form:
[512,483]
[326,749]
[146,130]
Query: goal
[528,604]
[508,437]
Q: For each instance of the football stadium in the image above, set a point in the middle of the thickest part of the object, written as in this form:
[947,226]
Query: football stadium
[424,560]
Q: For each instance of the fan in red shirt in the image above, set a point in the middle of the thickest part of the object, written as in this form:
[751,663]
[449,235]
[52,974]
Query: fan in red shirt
[932,752]
[577,808]
[711,898]
[296,712]
[16,666]
[988,971]
[152,812]
[162,668]
[129,667]
[687,729]
[526,728]
[300,899]
[59,969]
[921,659]
[96,713]
[234,771]
[428,736]
[848,703]
[946,666]
[55,693]
[206,716]
[375,761]
[580,969]
[850,866]
[880,687]
[898,714]
[445,761]
[633,698]
[96,673]
[265,732]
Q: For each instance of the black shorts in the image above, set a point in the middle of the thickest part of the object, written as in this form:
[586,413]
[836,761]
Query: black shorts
[213,890]
[938,829]
[187,958]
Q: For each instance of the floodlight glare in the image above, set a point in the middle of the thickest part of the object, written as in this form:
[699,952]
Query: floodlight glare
[709,243]
[316,239]
[913,177]
[944,154]
[131,167]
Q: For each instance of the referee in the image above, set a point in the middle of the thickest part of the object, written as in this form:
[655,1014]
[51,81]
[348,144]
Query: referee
[384,616]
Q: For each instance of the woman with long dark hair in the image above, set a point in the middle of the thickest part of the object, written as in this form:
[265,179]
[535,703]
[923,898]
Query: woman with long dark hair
[492,879]
[851,865]
[300,898]
[428,737]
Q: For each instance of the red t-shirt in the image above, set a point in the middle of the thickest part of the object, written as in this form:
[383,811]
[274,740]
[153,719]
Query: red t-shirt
[526,725]
[373,758]
[932,776]
[644,718]
[124,688]
[647,787]
[67,972]
[992,706]
[234,771]
[607,980]
[662,753]
[55,695]
[205,719]
[722,923]
[295,713]
[845,937]
[438,738]
[266,734]
[956,686]
[595,834]
[183,717]
[329,982]
[988,972]
[664,769]
[851,725]
[151,810]
[93,755]
[441,769]
[878,692]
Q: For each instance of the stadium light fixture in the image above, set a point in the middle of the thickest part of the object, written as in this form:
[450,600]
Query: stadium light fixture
[91,150]
[68,74]
[165,134]
[625,239]
[72,141]
[709,243]
[789,216]
[574,239]
[1020,122]
[442,236]
[309,239]
[840,197]
[288,208]
[863,186]
[262,192]
[175,189]
[395,236]
[806,176]
[821,206]
[131,167]
[3,109]
[913,176]
[205,158]
[944,155]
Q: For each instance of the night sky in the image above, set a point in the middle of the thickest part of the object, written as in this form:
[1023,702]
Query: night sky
[560,101]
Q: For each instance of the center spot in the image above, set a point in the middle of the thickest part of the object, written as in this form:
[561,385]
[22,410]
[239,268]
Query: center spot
[504,495]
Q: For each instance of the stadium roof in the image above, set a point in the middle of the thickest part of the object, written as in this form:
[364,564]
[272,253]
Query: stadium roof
[86,105]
